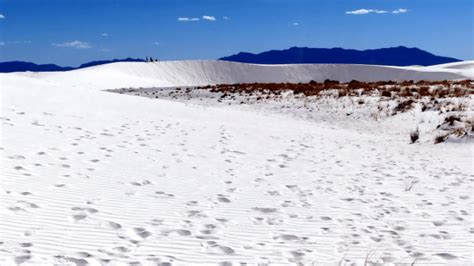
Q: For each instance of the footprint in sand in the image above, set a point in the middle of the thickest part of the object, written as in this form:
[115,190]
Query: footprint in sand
[214,247]
[181,232]
[75,261]
[22,259]
[26,245]
[113,225]
[89,210]
[29,204]
[140,183]
[141,232]
[265,210]
[78,217]
[223,199]
[82,213]
[288,237]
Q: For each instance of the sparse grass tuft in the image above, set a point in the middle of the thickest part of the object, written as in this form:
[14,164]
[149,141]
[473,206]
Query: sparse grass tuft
[404,106]
[451,119]
[440,138]
[414,135]
[386,93]
[410,183]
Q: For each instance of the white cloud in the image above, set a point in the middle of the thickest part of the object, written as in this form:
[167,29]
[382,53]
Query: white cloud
[73,44]
[185,19]
[295,24]
[210,18]
[188,19]
[104,34]
[2,16]
[364,11]
[226,18]
[400,11]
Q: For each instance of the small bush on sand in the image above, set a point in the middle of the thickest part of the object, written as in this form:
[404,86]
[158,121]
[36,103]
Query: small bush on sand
[403,106]
[410,183]
[414,135]
[386,94]
[440,138]
[451,119]
[354,84]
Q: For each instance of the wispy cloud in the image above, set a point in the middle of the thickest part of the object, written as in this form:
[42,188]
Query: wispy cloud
[364,11]
[296,24]
[2,16]
[225,18]
[105,34]
[193,19]
[2,43]
[186,19]
[210,18]
[73,44]
[400,11]
[156,43]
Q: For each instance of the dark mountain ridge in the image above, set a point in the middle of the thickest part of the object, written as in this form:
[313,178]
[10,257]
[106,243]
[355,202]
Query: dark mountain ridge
[20,66]
[394,56]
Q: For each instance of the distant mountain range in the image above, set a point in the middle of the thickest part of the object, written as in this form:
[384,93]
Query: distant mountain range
[20,66]
[395,56]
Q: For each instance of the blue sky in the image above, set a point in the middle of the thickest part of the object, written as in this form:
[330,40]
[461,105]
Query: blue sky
[70,32]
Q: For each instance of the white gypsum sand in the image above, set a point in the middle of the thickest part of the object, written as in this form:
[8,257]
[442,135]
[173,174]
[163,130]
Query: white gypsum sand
[90,176]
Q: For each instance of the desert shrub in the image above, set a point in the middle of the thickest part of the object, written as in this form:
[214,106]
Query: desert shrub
[424,107]
[440,138]
[406,93]
[404,106]
[353,84]
[458,132]
[414,135]
[410,183]
[405,89]
[386,93]
[330,82]
[451,119]
[341,93]
[424,91]
[407,83]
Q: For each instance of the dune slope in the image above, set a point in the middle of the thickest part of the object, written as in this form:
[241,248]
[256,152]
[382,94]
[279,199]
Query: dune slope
[194,73]
[90,177]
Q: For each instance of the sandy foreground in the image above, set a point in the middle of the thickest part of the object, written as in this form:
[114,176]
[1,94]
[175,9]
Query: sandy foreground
[90,177]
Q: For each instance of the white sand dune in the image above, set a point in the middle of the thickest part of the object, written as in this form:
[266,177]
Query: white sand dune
[465,65]
[90,177]
[194,73]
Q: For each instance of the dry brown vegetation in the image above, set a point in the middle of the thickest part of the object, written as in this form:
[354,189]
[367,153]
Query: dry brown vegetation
[429,95]
[415,90]
[455,125]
